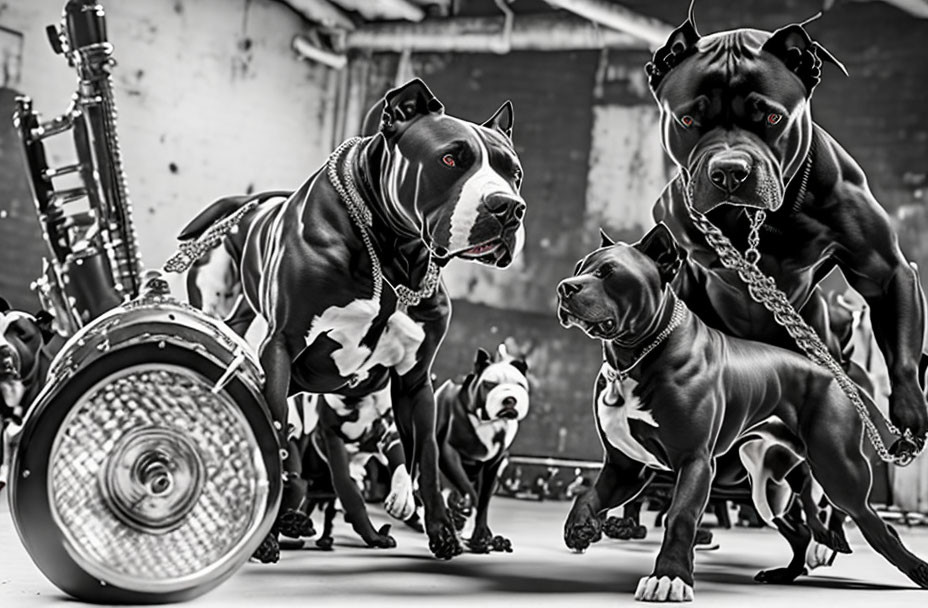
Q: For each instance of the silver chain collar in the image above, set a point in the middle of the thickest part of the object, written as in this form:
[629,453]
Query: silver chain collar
[360,214]
[192,250]
[676,318]
[764,291]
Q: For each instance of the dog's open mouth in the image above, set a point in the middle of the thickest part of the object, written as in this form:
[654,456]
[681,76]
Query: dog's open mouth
[602,329]
[482,251]
[508,414]
[8,370]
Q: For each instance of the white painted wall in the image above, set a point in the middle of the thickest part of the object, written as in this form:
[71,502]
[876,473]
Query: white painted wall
[627,167]
[190,93]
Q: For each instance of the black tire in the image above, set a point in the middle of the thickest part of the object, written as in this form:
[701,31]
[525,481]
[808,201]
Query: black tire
[31,502]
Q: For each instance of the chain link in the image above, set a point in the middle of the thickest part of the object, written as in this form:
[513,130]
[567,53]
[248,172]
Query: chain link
[764,291]
[752,255]
[192,250]
[679,313]
[361,215]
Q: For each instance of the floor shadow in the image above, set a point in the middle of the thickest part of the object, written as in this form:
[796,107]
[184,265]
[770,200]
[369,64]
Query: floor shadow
[486,577]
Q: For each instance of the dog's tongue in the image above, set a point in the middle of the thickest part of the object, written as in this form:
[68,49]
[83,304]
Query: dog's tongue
[481,249]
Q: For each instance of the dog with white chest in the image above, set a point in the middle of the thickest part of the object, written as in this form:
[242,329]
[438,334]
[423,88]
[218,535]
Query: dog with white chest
[478,420]
[24,363]
[346,270]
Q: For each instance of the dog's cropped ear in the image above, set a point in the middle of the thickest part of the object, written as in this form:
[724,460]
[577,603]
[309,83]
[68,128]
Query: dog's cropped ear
[803,56]
[680,45]
[482,360]
[604,239]
[45,321]
[503,120]
[502,353]
[405,103]
[660,246]
[521,365]
[4,305]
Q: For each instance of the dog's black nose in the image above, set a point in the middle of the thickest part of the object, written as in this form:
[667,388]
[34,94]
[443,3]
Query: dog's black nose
[567,289]
[506,208]
[509,402]
[728,171]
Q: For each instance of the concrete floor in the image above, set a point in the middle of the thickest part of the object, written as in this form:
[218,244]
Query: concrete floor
[541,571]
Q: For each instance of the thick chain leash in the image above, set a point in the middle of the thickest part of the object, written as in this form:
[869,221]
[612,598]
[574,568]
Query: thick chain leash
[192,250]
[764,291]
[360,214]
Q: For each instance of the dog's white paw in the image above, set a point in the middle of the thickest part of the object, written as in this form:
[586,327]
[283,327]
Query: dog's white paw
[10,443]
[654,589]
[400,502]
[818,555]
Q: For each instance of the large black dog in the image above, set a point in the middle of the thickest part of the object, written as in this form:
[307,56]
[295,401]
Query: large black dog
[758,473]
[698,395]
[736,119]
[346,270]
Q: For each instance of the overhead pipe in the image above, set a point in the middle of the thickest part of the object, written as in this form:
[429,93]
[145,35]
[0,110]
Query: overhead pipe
[540,32]
[618,17]
[385,9]
[322,12]
[307,50]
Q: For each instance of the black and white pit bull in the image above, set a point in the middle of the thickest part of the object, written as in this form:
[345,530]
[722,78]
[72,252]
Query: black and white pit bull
[700,394]
[736,121]
[345,272]
[477,422]
[25,357]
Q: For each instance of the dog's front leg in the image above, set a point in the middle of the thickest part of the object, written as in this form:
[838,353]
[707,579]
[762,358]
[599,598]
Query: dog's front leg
[482,539]
[414,412]
[449,462]
[275,360]
[349,494]
[621,479]
[672,579]
[401,501]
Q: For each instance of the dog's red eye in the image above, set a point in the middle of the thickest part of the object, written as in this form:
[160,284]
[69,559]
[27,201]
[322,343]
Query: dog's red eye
[687,121]
[448,159]
[773,118]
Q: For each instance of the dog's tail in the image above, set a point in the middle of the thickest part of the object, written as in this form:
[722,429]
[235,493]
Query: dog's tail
[223,208]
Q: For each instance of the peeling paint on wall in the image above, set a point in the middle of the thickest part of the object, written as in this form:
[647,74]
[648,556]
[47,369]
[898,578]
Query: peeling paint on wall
[177,104]
[627,170]
[11,56]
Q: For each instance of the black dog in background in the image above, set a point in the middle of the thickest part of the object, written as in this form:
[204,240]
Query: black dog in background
[27,347]
[332,449]
[477,421]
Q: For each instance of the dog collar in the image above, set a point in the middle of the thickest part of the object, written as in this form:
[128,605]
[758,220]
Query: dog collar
[676,318]
[362,217]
